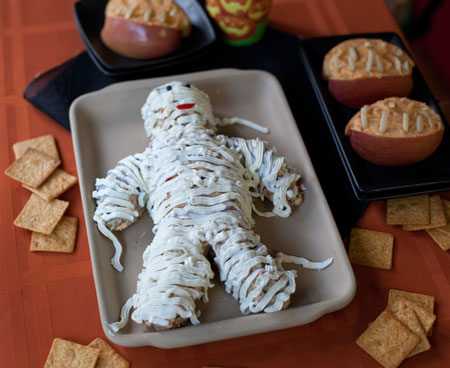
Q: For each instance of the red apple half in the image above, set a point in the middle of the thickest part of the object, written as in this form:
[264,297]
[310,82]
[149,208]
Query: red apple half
[393,151]
[137,40]
[356,93]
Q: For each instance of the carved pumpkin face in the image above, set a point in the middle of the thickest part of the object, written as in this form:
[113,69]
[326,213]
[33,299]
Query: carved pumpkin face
[236,28]
[213,7]
[236,7]
[240,20]
[259,10]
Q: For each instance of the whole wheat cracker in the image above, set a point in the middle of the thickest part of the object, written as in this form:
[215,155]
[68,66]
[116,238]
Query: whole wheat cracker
[440,237]
[423,300]
[445,229]
[68,354]
[387,340]
[437,216]
[371,248]
[426,318]
[408,317]
[62,239]
[40,215]
[413,210]
[108,357]
[56,184]
[45,144]
[32,168]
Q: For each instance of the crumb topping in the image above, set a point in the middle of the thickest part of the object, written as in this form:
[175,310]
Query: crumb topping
[152,12]
[366,58]
[396,117]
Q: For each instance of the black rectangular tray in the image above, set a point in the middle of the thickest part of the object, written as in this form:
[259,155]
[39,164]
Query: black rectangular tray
[369,181]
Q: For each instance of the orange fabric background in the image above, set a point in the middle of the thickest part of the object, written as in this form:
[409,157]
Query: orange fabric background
[43,296]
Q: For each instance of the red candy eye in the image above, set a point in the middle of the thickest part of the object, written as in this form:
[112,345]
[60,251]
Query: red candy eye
[185,106]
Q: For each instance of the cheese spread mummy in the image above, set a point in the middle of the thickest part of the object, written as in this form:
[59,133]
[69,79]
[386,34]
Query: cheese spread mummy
[198,188]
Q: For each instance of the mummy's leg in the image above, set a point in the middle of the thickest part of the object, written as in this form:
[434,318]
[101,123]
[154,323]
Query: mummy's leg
[121,198]
[251,275]
[176,274]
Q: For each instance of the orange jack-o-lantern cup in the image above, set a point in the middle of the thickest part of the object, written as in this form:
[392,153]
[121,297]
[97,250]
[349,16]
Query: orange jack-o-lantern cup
[241,22]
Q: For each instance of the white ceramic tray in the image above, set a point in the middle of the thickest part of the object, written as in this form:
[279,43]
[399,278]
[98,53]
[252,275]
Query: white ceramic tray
[106,126]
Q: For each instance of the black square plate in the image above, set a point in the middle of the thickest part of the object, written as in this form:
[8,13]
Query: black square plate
[369,181]
[90,16]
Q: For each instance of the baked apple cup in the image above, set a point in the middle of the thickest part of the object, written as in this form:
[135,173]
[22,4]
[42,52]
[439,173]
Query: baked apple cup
[361,71]
[395,132]
[144,29]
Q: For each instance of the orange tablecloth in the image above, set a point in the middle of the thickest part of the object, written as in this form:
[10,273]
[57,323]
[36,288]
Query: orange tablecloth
[43,296]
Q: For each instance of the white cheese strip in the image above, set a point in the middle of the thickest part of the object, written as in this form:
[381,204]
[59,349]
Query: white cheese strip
[130,12]
[364,117]
[419,123]
[351,63]
[406,66]
[369,61]
[405,123]
[383,121]
[353,53]
[305,263]
[398,65]
[147,15]
[379,63]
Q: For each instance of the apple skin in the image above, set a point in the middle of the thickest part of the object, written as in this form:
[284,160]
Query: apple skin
[137,40]
[392,151]
[356,93]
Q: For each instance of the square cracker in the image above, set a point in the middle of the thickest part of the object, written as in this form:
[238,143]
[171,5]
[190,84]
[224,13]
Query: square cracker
[409,319]
[371,248]
[67,354]
[108,357]
[62,238]
[387,340]
[426,318]
[33,168]
[437,216]
[414,210]
[423,300]
[56,184]
[446,229]
[440,237]
[45,144]
[40,215]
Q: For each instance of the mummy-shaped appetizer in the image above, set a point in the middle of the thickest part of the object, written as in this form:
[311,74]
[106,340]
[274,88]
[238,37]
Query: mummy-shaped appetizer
[361,71]
[395,131]
[198,188]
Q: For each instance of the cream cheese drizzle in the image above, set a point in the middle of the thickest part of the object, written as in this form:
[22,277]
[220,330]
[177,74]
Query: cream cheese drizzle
[198,189]
[174,276]
[262,173]
[113,195]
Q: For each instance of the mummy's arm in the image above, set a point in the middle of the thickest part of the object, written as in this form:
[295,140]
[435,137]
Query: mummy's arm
[268,175]
[121,198]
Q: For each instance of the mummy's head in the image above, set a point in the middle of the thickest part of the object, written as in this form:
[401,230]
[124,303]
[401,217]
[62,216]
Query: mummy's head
[175,104]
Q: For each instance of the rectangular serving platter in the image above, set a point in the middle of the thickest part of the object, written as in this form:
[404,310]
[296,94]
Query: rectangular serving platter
[369,181]
[106,126]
